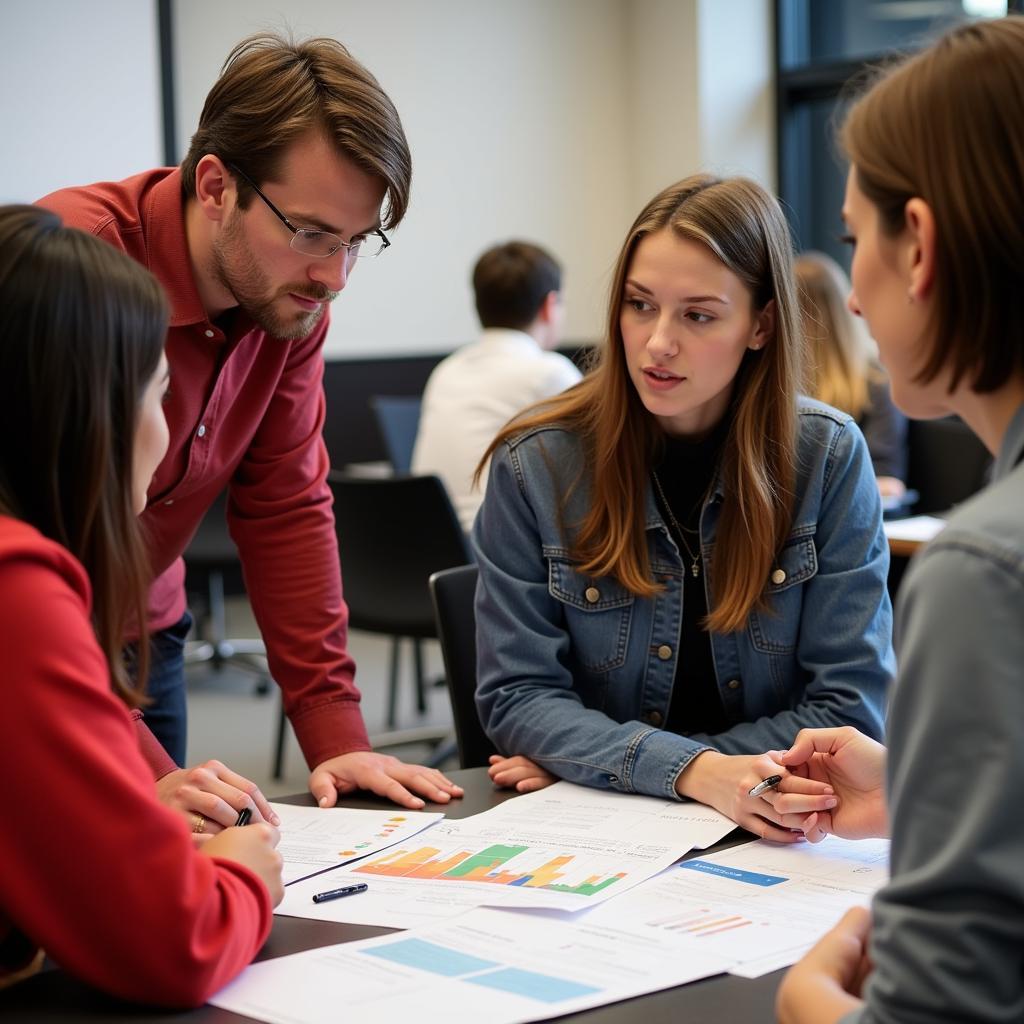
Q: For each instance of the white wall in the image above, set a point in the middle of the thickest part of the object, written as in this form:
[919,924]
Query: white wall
[552,120]
[513,111]
[80,88]
[663,127]
[736,90]
[701,91]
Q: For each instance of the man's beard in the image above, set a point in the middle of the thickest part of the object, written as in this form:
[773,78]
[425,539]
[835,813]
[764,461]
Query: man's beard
[236,268]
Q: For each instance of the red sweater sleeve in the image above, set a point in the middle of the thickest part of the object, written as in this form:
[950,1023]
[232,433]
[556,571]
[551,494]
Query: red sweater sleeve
[92,867]
[280,516]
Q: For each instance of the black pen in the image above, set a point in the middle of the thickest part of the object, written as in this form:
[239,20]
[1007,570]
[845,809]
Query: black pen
[243,816]
[336,894]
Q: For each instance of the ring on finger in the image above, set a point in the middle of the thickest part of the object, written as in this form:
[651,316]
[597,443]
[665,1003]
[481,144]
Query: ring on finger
[198,823]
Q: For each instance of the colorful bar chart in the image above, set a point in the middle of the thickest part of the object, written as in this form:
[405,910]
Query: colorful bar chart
[487,865]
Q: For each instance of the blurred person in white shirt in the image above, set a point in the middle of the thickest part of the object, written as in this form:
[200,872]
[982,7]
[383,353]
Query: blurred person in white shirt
[476,390]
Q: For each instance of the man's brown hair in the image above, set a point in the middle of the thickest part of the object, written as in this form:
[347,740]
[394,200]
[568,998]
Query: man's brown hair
[946,127]
[272,91]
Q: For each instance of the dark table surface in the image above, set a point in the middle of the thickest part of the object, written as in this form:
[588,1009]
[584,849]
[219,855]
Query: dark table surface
[55,996]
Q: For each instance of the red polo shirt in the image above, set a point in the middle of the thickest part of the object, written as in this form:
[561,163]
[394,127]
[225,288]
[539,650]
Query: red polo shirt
[244,410]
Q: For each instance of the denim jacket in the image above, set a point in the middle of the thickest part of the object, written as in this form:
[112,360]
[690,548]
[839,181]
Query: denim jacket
[577,673]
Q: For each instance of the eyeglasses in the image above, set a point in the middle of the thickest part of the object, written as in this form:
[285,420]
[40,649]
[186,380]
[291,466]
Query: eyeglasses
[311,242]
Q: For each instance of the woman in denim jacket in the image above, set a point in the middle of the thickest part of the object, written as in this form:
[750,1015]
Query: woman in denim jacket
[682,563]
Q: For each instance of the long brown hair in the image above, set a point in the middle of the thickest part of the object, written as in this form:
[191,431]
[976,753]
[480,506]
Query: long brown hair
[81,335]
[743,227]
[839,355]
[945,126]
[272,91]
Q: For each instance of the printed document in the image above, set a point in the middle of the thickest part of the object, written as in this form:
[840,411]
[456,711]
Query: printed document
[762,904]
[499,966]
[567,847]
[316,839]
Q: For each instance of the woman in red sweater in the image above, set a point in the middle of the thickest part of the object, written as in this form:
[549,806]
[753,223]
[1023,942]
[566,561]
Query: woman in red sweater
[93,868]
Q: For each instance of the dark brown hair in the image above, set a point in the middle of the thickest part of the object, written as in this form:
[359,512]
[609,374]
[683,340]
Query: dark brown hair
[743,226]
[81,334]
[511,282]
[272,91]
[946,126]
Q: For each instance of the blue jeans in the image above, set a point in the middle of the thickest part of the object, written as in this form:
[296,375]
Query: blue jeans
[166,715]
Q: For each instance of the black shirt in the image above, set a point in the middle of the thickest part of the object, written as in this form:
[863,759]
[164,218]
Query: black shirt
[685,473]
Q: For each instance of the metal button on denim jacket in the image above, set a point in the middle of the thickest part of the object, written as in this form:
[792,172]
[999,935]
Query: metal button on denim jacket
[574,670]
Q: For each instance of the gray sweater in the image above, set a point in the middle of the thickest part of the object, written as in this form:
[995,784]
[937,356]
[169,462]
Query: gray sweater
[948,937]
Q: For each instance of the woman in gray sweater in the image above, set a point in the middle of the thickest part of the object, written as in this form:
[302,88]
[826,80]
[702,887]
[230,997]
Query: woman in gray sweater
[935,208]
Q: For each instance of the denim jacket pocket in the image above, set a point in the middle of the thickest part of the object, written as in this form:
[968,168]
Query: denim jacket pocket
[597,615]
[776,629]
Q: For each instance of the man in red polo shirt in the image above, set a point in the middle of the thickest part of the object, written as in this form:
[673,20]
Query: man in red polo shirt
[298,165]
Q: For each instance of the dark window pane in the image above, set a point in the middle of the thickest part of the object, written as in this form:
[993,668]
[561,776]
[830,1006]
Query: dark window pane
[820,31]
[814,179]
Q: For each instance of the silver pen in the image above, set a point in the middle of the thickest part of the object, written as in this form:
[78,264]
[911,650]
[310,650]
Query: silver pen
[765,784]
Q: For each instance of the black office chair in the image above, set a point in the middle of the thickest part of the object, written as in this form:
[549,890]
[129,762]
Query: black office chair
[212,570]
[453,591]
[393,532]
[398,419]
[947,463]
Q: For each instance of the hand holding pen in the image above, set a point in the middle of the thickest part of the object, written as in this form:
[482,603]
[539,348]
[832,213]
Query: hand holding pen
[211,796]
[788,799]
[846,763]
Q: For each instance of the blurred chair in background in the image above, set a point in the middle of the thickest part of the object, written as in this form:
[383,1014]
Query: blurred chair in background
[393,532]
[398,419]
[947,464]
[454,591]
[212,571]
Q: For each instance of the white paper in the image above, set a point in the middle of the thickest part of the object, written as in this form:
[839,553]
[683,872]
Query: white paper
[566,848]
[762,903]
[915,528]
[502,967]
[316,839]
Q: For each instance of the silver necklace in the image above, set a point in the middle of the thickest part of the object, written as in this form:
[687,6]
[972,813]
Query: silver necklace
[694,558]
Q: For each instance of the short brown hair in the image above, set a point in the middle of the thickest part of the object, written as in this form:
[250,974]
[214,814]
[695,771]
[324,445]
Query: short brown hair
[271,91]
[511,282]
[945,126]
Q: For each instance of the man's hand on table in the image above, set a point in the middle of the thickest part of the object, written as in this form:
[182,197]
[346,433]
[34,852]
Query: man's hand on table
[408,785]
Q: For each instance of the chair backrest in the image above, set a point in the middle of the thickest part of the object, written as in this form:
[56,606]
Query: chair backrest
[398,418]
[393,532]
[454,591]
[947,463]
